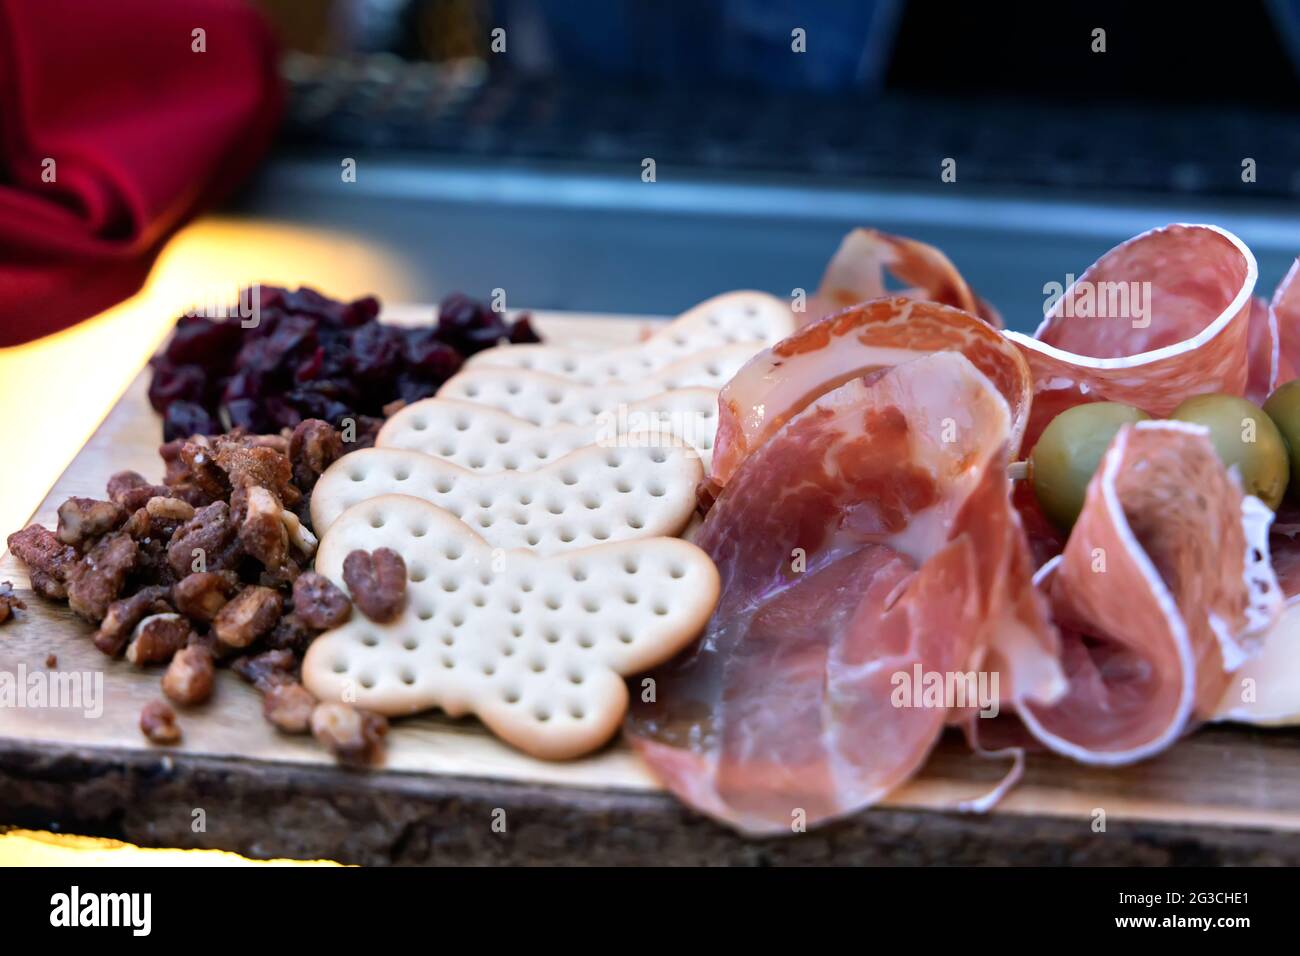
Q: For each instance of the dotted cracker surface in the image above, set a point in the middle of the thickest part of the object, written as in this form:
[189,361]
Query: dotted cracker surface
[537,647]
[546,399]
[590,495]
[751,320]
[482,438]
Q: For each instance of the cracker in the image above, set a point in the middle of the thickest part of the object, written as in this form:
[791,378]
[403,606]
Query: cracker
[536,647]
[588,496]
[545,399]
[751,319]
[481,438]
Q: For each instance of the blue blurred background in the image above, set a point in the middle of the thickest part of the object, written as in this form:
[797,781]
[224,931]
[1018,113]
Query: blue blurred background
[776,126]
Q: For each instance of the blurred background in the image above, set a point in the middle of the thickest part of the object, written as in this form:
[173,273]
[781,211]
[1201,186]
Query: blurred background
[520,165]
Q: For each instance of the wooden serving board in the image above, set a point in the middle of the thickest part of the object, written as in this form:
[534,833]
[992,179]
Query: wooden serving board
[1224,795]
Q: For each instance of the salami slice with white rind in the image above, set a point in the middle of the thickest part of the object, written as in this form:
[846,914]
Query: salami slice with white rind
[1157,319]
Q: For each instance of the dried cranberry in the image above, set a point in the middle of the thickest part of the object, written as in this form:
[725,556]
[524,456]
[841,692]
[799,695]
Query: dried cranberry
[522,332]
[428,356]
[281,413]
[310,367]
[312,404]
[176,383]
[245,413]
[468,325]
[202,341]
[411,389]
[376,351]
[247,382]
[184,419]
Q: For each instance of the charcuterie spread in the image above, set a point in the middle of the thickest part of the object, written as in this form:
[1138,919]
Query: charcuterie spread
[785,545]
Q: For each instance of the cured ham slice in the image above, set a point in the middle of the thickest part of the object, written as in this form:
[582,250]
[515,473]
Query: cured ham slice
[1163,589]
[781,381]
[858,269]
[870,536]
[1160,317]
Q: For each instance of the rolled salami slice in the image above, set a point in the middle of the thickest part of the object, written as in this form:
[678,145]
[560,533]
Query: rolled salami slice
[1159,318]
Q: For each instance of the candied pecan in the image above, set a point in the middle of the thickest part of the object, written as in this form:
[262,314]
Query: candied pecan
[289,707]
[282,577]
[130,490]
[81,519]
[96,580]
[139,525]
[167,508]
[268,669]
[377,580]
[48,586]
[51,661]
[247,616]
[158,723]
[393,407]
[124,615]
[157,638]
[319,602]
[275,442]
[9,601]
[300,535]
[48,559]
[291,634]
[355,737]
[201,595]
[189,676]
[210,532]
[314,446]
[153,568]
[261,532]
[248,465]
[161,517]
[200,470]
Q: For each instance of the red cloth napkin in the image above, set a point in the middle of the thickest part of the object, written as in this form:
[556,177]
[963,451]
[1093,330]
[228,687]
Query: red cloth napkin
[143,130]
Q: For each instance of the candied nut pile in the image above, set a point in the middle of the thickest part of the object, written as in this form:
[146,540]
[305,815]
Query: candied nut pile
[212,568]
[9,601]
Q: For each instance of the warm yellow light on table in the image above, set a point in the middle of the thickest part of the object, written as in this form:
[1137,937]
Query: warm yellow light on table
[59,388]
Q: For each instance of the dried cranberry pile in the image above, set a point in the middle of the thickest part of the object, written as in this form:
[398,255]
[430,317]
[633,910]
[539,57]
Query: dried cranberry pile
[309,356]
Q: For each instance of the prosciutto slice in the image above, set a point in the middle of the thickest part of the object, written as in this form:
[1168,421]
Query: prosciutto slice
[781,381]
[1160,317]
[870,536]
[1164,588]
[858,270]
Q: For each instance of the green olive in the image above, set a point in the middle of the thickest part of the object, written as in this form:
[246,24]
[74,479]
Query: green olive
[1283,406]
[1069,451]
[1245,437]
